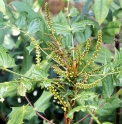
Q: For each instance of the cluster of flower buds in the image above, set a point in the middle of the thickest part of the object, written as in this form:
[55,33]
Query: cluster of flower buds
[58,97]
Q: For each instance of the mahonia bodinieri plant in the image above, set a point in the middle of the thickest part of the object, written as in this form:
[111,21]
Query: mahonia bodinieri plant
[67,67]
[75,66]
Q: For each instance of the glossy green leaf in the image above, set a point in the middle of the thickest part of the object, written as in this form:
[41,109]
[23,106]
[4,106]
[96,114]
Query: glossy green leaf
[76,109]
[21,21]
[73,12]
[75,27]
[83,36]
[34,26]
[2,6]
[60,18]
[8,42]
[80,26]
[17,115]
[20,7]
[21,90]
[111,28]
[101,9]
[67,40]
[27,84]
[43,102]
[8,89]
[108,87]
[45,65]
[62,28]
[85,95]
[108,108]
[30,113]
[5,60]
[39,74]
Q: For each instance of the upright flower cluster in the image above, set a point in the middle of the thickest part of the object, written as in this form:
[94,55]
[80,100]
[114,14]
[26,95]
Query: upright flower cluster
[38,55]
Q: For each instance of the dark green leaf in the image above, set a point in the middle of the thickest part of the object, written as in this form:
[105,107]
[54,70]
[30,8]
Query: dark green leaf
[108,108]
[30,113]
[20,7]
[8,42]
[85,95]
[60,18]
[76,109]
[5,60]
[21,21]
[101,9]
[62,28]
[108,87]
[8,89]
[17,115]
[112,28]
[73,12]
[39,74]
[43,102]
[67,40]
[82,36]
[80,26]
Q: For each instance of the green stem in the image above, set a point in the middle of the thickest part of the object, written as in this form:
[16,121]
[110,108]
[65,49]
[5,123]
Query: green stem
[95,118]
[105,74]
[68,16]
[14,72]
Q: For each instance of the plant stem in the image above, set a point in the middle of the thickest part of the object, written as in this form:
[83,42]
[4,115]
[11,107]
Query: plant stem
[68,16]
[38,112]
[83,118]
[14,72]
[95,118]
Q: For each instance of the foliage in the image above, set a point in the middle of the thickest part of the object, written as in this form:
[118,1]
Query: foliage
[61,56]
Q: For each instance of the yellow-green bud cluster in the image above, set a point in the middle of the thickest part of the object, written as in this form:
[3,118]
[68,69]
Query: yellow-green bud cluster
[87,86]
[58,58]
[99,40]
[60,72]
[49,20]
[38,55]
[51,45]
[93,71]
[58,97]
[48,15]
[86,50]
